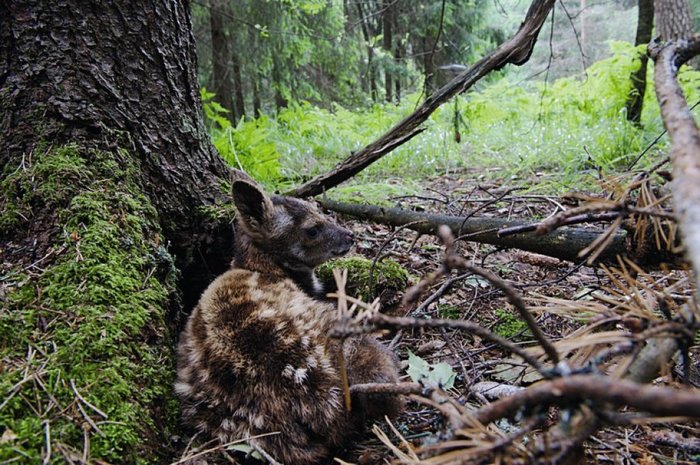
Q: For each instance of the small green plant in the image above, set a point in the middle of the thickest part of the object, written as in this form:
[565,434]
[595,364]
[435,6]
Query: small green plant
[509,325]
[440,374]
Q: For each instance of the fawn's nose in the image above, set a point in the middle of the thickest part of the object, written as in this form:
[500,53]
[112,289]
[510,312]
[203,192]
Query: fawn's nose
[350,236]
[347,241]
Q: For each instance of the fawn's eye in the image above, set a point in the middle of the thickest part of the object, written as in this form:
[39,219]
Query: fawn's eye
[313,231]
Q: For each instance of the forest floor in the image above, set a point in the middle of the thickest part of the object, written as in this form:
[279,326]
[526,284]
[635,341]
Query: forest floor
[571,302]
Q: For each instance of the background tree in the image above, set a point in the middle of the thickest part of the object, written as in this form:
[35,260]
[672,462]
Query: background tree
[108,179]
[219,17]
[673,19]
[645,24]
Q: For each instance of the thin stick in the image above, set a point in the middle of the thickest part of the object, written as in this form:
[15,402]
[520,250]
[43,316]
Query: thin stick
[47,435]
[98,411]
[221,446]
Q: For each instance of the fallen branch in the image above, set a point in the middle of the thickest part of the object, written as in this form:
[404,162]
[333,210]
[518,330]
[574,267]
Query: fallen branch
[662,401]
[564,243]
[387,388]
[516,51]
[380,321]
[675,440]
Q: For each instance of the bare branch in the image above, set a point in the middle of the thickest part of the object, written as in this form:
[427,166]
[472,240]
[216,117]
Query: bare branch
[516,51]
[581,388]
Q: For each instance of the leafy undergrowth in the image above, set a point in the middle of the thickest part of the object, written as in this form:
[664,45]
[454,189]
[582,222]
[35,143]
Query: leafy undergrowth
[87,357]
[574,129]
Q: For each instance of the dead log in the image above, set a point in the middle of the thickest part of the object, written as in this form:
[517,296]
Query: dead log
[564,243]
[515,51]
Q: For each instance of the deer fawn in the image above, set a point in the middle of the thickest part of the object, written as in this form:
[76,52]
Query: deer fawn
[255,361]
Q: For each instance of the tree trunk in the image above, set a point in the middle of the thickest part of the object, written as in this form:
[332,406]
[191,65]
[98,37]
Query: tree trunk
[280,100]
[645,24]
[369,77]
[428,68]
[388,47]
[673,19]
[397,76]
[257,105]
[240,101]
[219,11]
[107,191]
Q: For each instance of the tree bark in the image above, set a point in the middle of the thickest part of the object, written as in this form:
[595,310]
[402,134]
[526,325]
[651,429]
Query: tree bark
[221,58]
[257,105]
[428,67]
[280,100]
[516,51]
[107,187]
[673,19]
[238,81]
[369,77]
[645,24]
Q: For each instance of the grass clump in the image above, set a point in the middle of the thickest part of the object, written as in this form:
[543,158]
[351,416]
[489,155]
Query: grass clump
[387,276]
[89,320]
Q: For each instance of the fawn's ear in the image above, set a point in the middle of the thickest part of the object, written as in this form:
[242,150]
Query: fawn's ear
[254,207]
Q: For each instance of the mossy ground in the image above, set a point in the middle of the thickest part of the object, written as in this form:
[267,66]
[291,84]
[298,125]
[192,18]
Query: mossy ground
[386,275]
[86,354]
[510,325]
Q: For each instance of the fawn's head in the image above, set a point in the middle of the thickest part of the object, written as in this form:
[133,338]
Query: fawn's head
[291,232]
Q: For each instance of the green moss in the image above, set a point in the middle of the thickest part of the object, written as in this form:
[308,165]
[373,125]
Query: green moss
[90,318]
[387,275]
[509,325]
[448,311]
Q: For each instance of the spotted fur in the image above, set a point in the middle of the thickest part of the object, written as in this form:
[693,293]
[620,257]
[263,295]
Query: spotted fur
[255,357]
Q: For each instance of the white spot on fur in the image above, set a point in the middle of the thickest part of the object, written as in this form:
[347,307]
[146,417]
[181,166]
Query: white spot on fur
[256,294]
[228,425]
[300,375]
[305,342]
[311,362]
[184,389]
[267,313]
[258,421]
[240,413]
[288,372]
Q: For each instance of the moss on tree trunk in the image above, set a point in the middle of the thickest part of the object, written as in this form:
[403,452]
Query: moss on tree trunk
[86,348]
[108,189]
